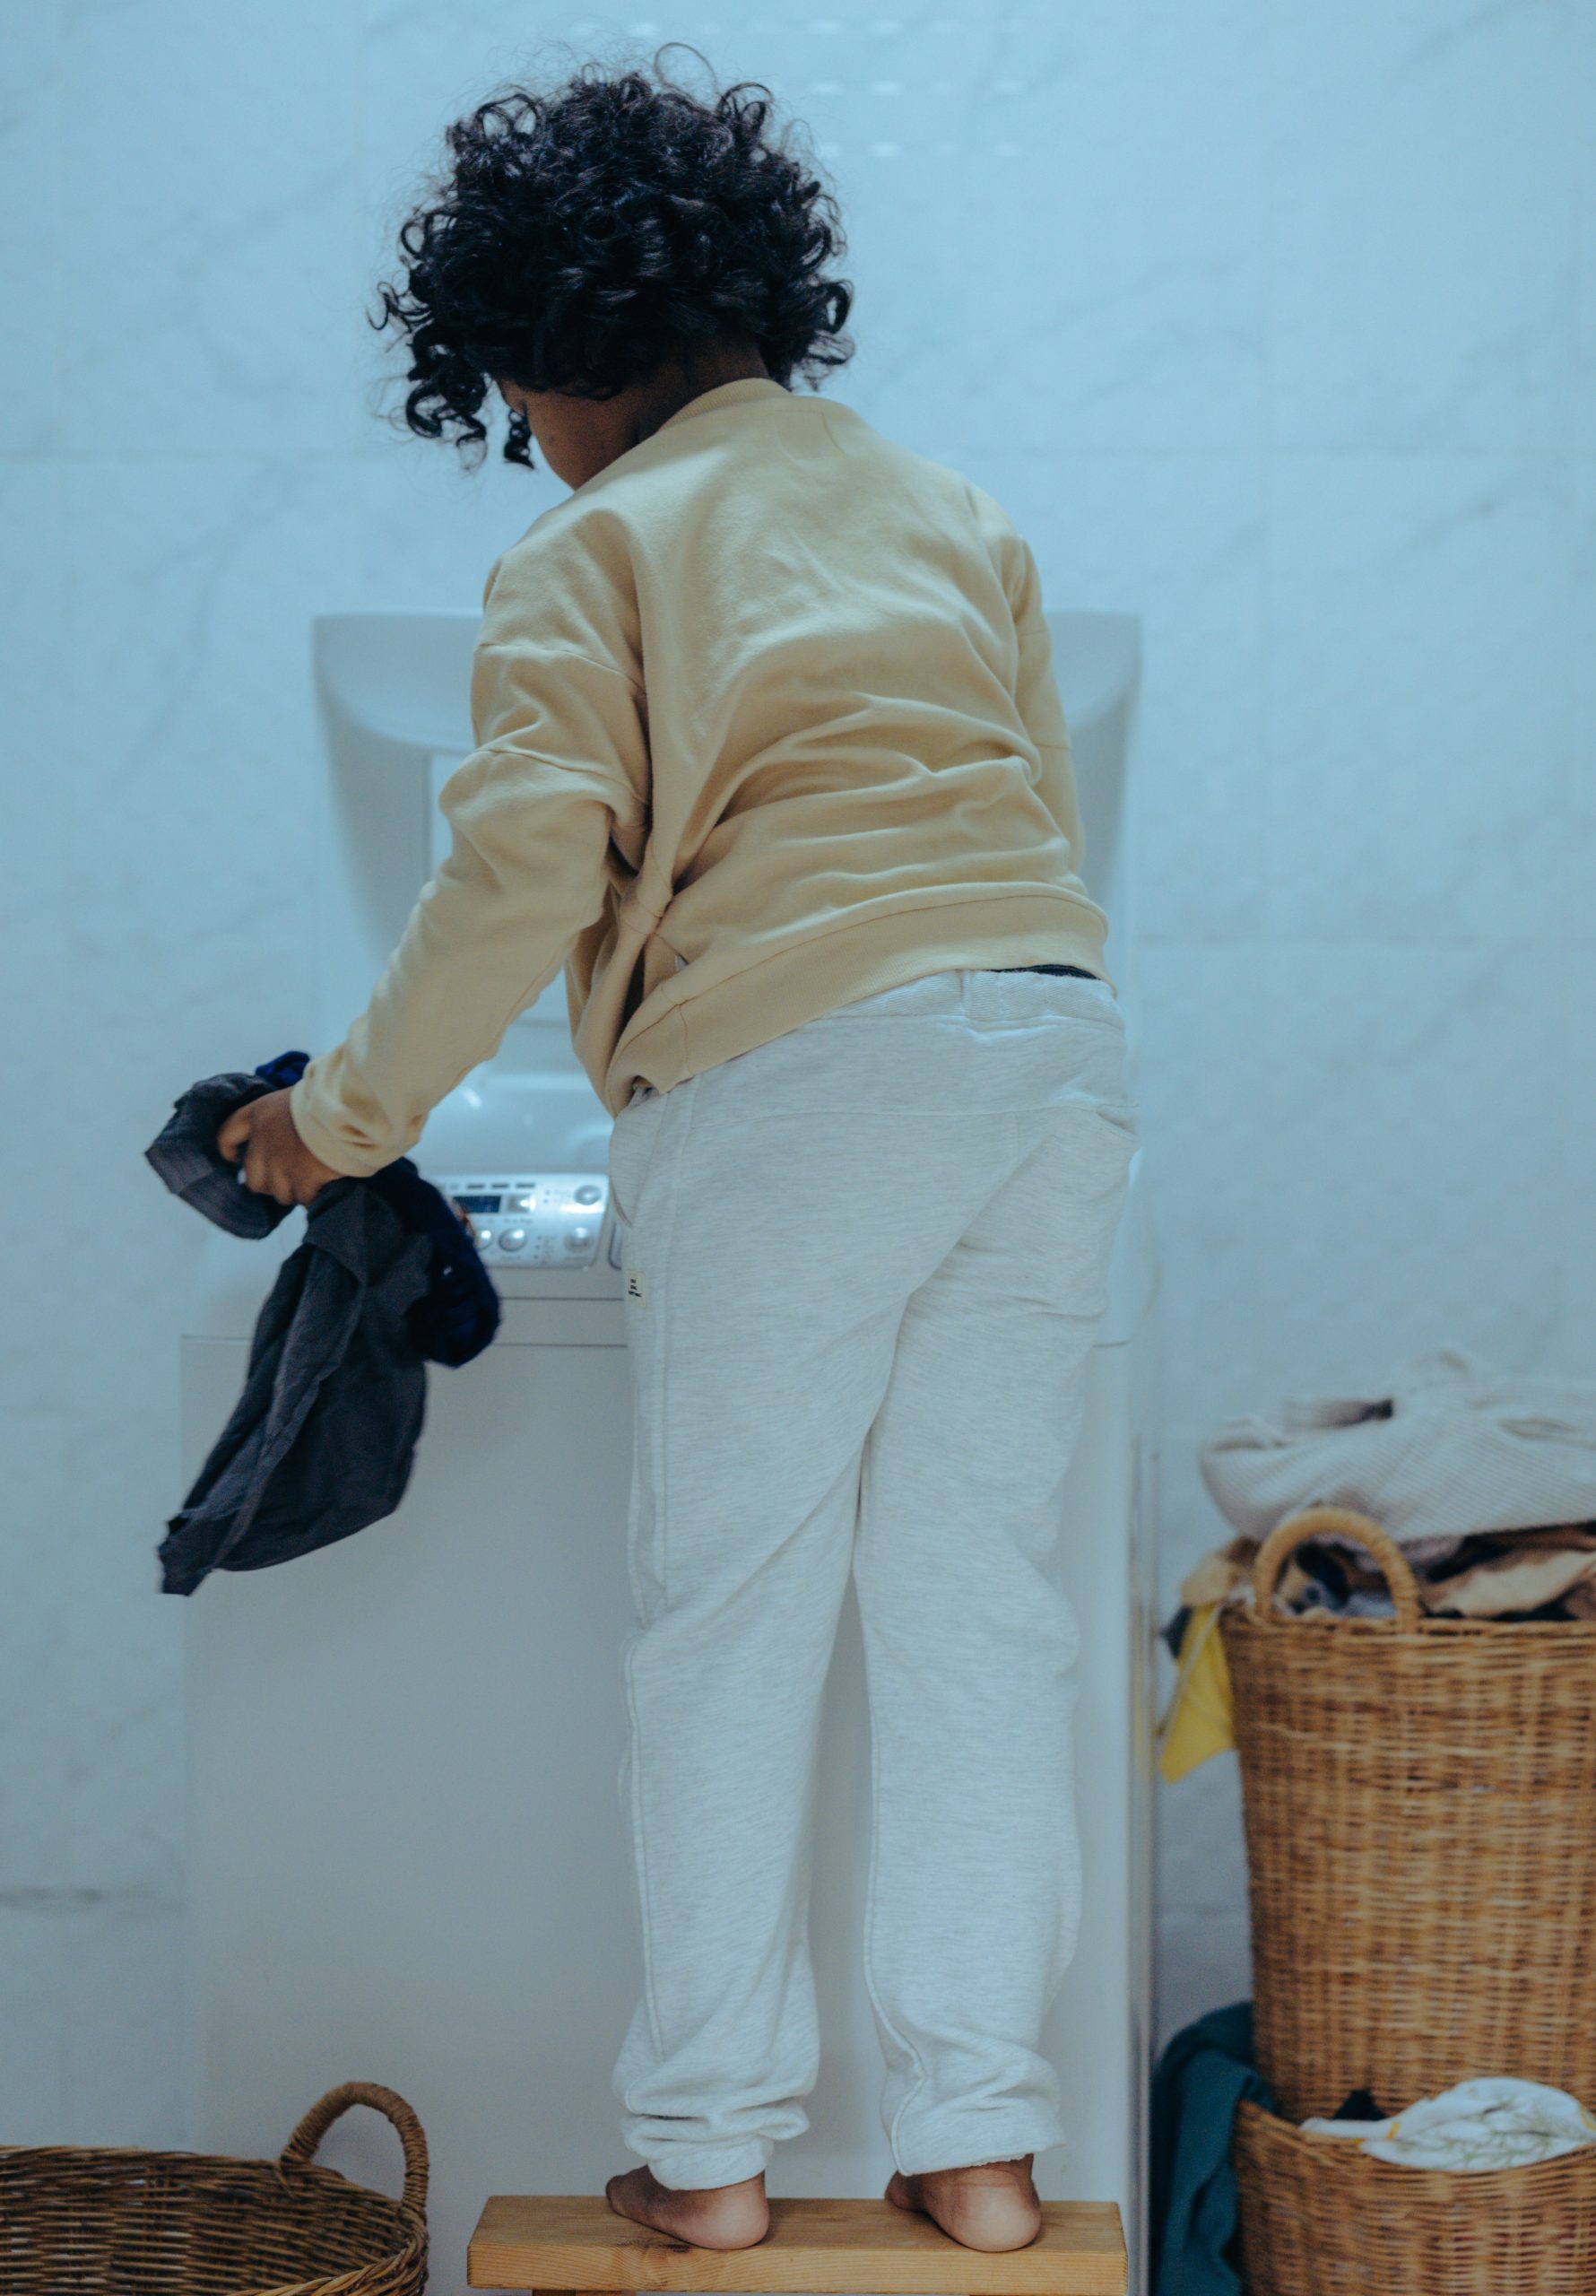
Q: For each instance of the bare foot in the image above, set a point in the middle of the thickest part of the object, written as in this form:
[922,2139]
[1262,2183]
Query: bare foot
[707,2216]
[993,2205]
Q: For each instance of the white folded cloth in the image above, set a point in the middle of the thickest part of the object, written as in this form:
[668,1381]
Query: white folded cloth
[1448,1446]
[1492,2123]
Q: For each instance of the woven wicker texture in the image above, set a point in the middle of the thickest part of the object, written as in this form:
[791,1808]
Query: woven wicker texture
[1419,1802]
[1318,2218]
[120,2223]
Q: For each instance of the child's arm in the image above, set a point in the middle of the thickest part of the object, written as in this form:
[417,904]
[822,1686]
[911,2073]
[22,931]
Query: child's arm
[1036,697]
[562,756]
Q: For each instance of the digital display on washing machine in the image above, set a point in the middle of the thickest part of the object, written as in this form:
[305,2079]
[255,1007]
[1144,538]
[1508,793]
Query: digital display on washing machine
[479,1202]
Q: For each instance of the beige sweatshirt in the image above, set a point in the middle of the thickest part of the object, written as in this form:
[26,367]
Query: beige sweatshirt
[765,722]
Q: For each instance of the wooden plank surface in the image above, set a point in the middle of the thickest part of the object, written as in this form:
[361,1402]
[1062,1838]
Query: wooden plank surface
[814,2247]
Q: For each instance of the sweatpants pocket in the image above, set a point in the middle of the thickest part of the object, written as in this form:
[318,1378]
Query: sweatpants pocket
[630,1137]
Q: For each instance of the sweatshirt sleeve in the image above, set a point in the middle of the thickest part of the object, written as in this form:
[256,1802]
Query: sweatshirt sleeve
[1036,696]
[561,758]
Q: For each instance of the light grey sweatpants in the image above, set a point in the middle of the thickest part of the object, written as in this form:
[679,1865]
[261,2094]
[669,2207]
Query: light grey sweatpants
[865,1264]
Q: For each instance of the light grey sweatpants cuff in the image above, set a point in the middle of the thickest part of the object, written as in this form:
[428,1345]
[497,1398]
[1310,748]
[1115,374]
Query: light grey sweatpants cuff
[693,2168]
[955,2144]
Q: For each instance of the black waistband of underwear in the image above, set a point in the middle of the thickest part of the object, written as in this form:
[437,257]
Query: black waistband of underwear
[1079,969]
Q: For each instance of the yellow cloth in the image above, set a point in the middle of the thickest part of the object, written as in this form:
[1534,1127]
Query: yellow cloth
[1200,1719]
[765,723]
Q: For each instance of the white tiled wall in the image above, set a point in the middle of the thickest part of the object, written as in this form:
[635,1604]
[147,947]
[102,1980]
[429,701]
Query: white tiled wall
[1275,323]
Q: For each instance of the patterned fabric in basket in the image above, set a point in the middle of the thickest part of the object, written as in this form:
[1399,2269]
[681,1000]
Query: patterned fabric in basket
[1319,2218]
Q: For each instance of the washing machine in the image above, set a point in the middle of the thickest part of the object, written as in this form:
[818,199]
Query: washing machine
[407,1856]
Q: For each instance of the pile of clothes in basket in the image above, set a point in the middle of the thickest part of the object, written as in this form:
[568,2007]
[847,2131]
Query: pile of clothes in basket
[1473,2127]
[1486,1480]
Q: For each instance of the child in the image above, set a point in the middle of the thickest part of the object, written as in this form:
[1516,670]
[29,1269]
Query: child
[771,757]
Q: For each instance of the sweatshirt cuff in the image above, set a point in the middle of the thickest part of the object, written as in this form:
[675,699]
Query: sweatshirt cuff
[353,1163]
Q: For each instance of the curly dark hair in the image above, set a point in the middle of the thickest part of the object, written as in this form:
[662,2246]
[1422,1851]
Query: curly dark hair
[587,235]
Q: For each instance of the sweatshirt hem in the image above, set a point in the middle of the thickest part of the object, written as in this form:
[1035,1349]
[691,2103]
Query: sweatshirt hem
[814,975]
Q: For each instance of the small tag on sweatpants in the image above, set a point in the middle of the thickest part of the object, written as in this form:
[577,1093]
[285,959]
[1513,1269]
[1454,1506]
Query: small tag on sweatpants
[635,1289]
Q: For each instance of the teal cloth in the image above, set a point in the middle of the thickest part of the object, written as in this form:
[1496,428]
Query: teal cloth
[1200,2078]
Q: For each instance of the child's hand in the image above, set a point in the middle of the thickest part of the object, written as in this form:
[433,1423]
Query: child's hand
[276,1161]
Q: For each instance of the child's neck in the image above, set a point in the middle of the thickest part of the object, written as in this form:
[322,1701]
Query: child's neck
[721,361]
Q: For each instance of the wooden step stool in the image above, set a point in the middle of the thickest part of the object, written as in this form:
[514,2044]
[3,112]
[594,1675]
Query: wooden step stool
[814,2247]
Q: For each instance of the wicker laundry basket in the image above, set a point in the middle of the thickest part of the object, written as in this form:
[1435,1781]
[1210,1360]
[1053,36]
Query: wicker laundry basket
[1320,2218]
[119,2222]
[1419,1801]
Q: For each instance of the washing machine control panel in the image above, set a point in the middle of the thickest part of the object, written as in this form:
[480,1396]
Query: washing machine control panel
[532,1220]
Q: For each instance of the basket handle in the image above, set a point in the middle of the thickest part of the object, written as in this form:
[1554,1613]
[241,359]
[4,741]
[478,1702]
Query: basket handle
[1293,1530]
[314,2127]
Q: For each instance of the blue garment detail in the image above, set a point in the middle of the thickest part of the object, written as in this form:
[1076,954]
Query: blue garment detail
[1200,2078]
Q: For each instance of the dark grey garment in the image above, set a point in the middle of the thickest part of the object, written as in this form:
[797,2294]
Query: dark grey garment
[460,1312]
[322,1439]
